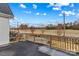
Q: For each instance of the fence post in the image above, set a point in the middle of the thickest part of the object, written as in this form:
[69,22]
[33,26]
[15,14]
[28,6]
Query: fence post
[50,41]
[34,38]
[78,45]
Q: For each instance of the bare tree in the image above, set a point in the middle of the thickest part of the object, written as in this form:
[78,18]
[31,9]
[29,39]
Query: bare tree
[42,30]
[59,29]
[23,26]
[32,31]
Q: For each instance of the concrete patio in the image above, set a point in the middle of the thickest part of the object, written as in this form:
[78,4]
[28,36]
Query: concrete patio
[26,48]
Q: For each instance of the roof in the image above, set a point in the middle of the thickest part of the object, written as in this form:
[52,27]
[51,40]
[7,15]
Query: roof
[5,10]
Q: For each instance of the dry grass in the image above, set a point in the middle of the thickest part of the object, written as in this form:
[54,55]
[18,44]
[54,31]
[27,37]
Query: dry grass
[72,33]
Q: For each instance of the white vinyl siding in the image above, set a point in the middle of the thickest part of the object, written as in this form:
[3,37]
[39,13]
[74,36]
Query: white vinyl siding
[4,30]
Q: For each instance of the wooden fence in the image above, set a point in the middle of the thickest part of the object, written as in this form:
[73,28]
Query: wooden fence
[70,44]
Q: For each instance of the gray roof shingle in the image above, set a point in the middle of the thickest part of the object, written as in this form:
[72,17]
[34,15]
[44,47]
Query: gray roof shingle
[5,9]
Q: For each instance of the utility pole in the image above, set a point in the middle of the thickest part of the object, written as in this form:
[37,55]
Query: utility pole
[64,24]
[64,19]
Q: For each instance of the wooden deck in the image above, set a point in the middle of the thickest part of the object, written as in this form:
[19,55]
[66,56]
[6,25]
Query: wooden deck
[64,43]
[25,48]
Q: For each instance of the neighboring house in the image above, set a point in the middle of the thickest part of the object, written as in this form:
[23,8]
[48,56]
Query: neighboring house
[5,16]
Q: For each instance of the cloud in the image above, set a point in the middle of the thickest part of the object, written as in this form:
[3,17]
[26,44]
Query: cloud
[78,10]
[60,15]
[23,22]
[44,14]
[68,13]
[15,18]
[57,4]
[53,4]
[72,5]
[22,6]
[78,14]
[64,4]
[56,8]
[37,13]
[34,6]
[73,10]
[49,6]
[28,12]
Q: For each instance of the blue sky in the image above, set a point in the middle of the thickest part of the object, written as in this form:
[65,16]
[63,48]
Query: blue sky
[43,13]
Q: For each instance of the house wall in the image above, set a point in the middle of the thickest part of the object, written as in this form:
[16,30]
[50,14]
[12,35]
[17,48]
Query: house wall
[4,31]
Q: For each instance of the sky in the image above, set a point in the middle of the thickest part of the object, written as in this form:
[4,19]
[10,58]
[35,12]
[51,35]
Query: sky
[43,13]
